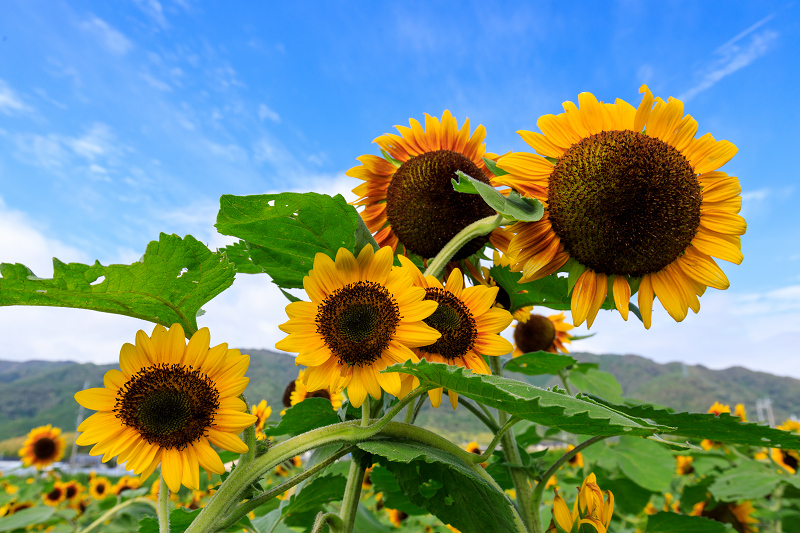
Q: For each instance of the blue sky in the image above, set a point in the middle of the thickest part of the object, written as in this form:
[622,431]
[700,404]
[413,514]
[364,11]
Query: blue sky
[119,120]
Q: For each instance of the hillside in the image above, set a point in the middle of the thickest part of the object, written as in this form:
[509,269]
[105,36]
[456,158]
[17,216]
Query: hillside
[35,393]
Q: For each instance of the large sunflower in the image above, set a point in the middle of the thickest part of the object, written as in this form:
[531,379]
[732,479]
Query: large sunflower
[408,197]
[363,316]
[633,199]
[467,321]
[44,446]
[542,333]
[167,405]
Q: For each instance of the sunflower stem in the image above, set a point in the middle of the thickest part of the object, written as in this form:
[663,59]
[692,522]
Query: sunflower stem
[355,478]
[249,435]
[513,457]
[331,520]
[114,510]
[476,229]
[563,377]
[163,504]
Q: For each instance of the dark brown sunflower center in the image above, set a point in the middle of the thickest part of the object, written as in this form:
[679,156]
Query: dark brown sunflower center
[624,203]
[423,209]
[287,394]
[321,393]
[454,321]
[790,460]
[574,459]
[71,491]
[535,335]
[168,404]
[100,488]
[44,448]
[723,513]
[55,494]
[357,322]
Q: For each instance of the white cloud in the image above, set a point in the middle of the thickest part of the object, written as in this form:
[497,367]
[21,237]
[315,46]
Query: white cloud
[734,55]
[53,151]
[114,41]
[265,112]
[10,102]
[154,10]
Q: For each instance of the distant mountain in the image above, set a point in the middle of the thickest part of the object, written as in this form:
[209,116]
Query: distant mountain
[35,393]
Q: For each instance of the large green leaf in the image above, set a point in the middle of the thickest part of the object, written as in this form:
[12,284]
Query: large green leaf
[722,428]
[512,206]
[598,383]
[309,414]
[170,284]
[444,485]
[393,497]
[26,517]
[303,507]
[547,407]
[538,363]
[283,232]
[750,480]
[238,254]
[664,522]
[646,463]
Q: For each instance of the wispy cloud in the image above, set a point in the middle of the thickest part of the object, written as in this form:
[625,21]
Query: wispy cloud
[55,152]
[154,10]
[10,102]
[114,41]
[265,112]
[734,55]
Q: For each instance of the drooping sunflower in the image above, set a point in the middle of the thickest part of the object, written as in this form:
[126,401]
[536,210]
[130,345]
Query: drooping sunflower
[261,412]
[468,323]
[55,495]
[408,197]
[43,446]
[100,487]
[299,392]
[363,316]
[542,333]
[633,198]
[167,405]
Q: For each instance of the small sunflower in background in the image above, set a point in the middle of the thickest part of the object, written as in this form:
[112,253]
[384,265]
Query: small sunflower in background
[100,487]
[408,197]
[43,446]
[738,515]
[262,411]
[576,460]
[502,300]
[166,406]
[539,333]
[633,199]
[126,483]
[740,411]
[55,495]
[363,316]
[716,409]
[396,517]
[474,447]
[683,465]
[73,491]
[788,459]
[297,391]
[468,322]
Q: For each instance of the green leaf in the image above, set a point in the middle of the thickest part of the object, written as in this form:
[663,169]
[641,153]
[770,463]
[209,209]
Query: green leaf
[393,497]
[309,414]
[665,522]
[551,408]
[493,168]
[538,363]
[179,520]
[367,522]
[238,254]
[722,428]
[512,206]
[285,231]
[303,507]
[750,480]
[597,383]
[629,497]
[649,465]
[170,284]
[26,517]
[364,236]
[444,485]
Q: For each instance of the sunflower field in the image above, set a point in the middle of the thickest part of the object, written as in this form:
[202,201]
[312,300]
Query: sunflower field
[401,298]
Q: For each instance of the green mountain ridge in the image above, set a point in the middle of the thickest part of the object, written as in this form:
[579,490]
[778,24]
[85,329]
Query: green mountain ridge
[35,393]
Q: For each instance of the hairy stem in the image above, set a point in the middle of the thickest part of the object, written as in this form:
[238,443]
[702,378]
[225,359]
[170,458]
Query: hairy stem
[331,520]
[476,229]
[488,422]
[163,504]
[355,478]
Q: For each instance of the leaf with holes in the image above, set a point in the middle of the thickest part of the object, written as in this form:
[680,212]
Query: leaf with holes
[171,282]
[285,231]
[551,408]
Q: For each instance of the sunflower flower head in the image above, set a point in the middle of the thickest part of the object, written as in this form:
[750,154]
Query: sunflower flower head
[43,446]
[634,201]
[542,333]
[262,412]
[683,465]
[576,460]
[483,276]
[298,391]
[167,404]
[468,322]
[408,196]
[364,315]
[738,515]
[55,495]
[591,509]
[100,487]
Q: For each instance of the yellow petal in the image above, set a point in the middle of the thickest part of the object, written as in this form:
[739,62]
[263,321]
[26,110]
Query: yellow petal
[646,300]
[197,349]
[207,457]
[172,469]
[622,295]
[97,399]
[226,441]
[583,296]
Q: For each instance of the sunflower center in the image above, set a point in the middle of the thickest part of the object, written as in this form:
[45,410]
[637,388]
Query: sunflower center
[100,488]
[423,209]
[168,404]
[790,460]
[287,394]
[321,393]
[724,514]
[535,335]
[454,321]
[44,448]
[357,322]
[55,494]
[624,203]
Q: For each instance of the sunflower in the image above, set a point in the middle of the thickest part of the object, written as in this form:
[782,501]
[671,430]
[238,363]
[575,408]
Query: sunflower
[502,300]
[737,515]
[44,446]
[363,316]
[740,412]
[100,487]
[716,409]
[468,323]
[577,459]
[396,517]
[261,412]
[474,447]
[542,333]
[683,465]
[634,201]
[165,406]
[591,508]
[299,392]
[55,495]
[126,483]
[408,196]
[73,491]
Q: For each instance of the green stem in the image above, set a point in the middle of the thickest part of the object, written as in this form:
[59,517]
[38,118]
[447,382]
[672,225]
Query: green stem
[330,519]
[476,229]
[496,440]
[163,504]
[564,381]
[418,408]
[538,492]
[518,476]
[249,436]
[489,422]
[111,512]
[355,479]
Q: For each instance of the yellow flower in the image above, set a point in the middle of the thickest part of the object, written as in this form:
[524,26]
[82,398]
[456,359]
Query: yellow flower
[737,515]
[684,465]
[788,459]
[409,199]
[716,409]
[590,508]
[55,495]
[300,392]
[44,446]
[100,487]
[468,323]
[363,316]
[474,447]
[542,333]
[502,300]
[577,459]
[73,491]
[740,412]
[126,483]
[167,405]
[261,412]
[396,517]
[633,199]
